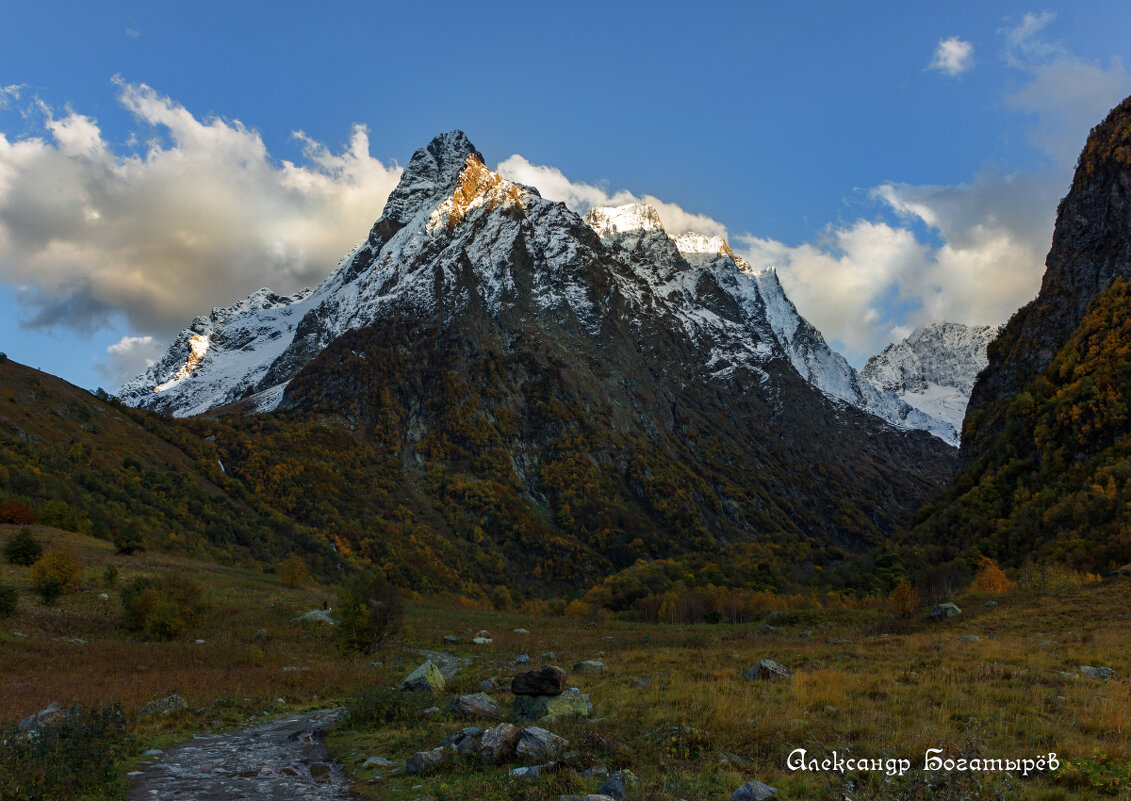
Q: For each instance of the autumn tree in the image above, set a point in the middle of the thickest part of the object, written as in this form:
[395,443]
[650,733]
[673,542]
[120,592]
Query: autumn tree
[904,600]
[990,578]
[293,571]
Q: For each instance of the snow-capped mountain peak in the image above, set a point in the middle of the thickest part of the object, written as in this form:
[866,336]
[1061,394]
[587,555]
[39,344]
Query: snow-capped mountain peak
[934,368]
[610,220]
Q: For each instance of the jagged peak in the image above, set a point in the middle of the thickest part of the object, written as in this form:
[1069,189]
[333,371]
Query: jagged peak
[610,220]
[432,172]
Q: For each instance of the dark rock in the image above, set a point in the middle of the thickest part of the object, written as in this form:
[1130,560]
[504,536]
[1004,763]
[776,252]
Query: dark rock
[590,666]
[426,678]
[424,762]
[546,680]
[1096,672]
[49,714]
[618,785]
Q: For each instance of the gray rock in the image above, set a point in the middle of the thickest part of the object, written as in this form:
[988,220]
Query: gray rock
[522,659]
[479,705]
[969,638]
[590,666]
[316,616]
[164,706]
[990,604]
[261,634]
[498,745]
[546,680]
[548,657]
[426,678]
[754,791]
[944,611]
[376,762]
[536,744]
[451,639]
[768,670]
[424,762]
[488,685]
[599,770]
[481,640]
[49,714]
[521,631]
[618,785]
[1096,672]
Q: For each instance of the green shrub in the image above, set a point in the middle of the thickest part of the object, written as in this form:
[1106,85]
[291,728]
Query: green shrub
[164,607]
[8,600]
[77,757]
[22,548]
[49,588]
[380,705]
[369,612]
[110,576]
[129,538]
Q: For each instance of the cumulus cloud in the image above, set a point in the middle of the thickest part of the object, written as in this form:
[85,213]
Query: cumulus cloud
[129,356]
[953,56]
[580,196]
[202,216]
[970,253]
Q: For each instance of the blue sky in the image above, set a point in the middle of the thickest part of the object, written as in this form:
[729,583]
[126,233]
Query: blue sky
[898,162]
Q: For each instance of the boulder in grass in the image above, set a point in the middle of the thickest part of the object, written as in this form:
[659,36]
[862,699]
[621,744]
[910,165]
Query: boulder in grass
[426,678]
[618,785]
[944,611]
[424,762]
[497,745]
[590,666]
[49,714]
[546,680]
[768,670]
[479,705]
[1096,672]
[536,744]
[571,703]
[164,706]
[754,791]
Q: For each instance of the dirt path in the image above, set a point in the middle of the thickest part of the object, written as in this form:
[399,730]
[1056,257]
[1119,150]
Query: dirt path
[285,760]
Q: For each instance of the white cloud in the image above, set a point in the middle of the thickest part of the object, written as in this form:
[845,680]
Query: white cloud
[953,56]
[133,33]
[128,357]
[864,283]
[9,93]
[202,217]
[553,185]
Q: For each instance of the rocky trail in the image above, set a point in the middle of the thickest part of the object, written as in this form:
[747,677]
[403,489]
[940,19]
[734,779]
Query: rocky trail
[284,760]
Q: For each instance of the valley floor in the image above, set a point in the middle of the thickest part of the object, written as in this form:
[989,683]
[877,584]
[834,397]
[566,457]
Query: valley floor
[673,705]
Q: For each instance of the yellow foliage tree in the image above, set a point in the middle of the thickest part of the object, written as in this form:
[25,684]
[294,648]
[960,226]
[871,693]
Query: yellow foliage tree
[990,578]
[293,571]
[57,565]
[904,600]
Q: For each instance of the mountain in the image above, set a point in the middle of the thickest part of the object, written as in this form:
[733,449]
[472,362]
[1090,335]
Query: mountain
[676,266]
[492,386]
[1045,461]
[934,369]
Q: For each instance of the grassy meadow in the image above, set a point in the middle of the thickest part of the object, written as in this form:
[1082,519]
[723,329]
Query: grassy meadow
[673,705]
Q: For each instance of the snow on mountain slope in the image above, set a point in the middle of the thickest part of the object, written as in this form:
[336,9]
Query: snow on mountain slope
[934,369]
[452,236]
[767,324]
[449,212]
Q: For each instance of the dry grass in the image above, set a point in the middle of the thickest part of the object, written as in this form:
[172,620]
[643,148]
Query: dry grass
[863,684]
